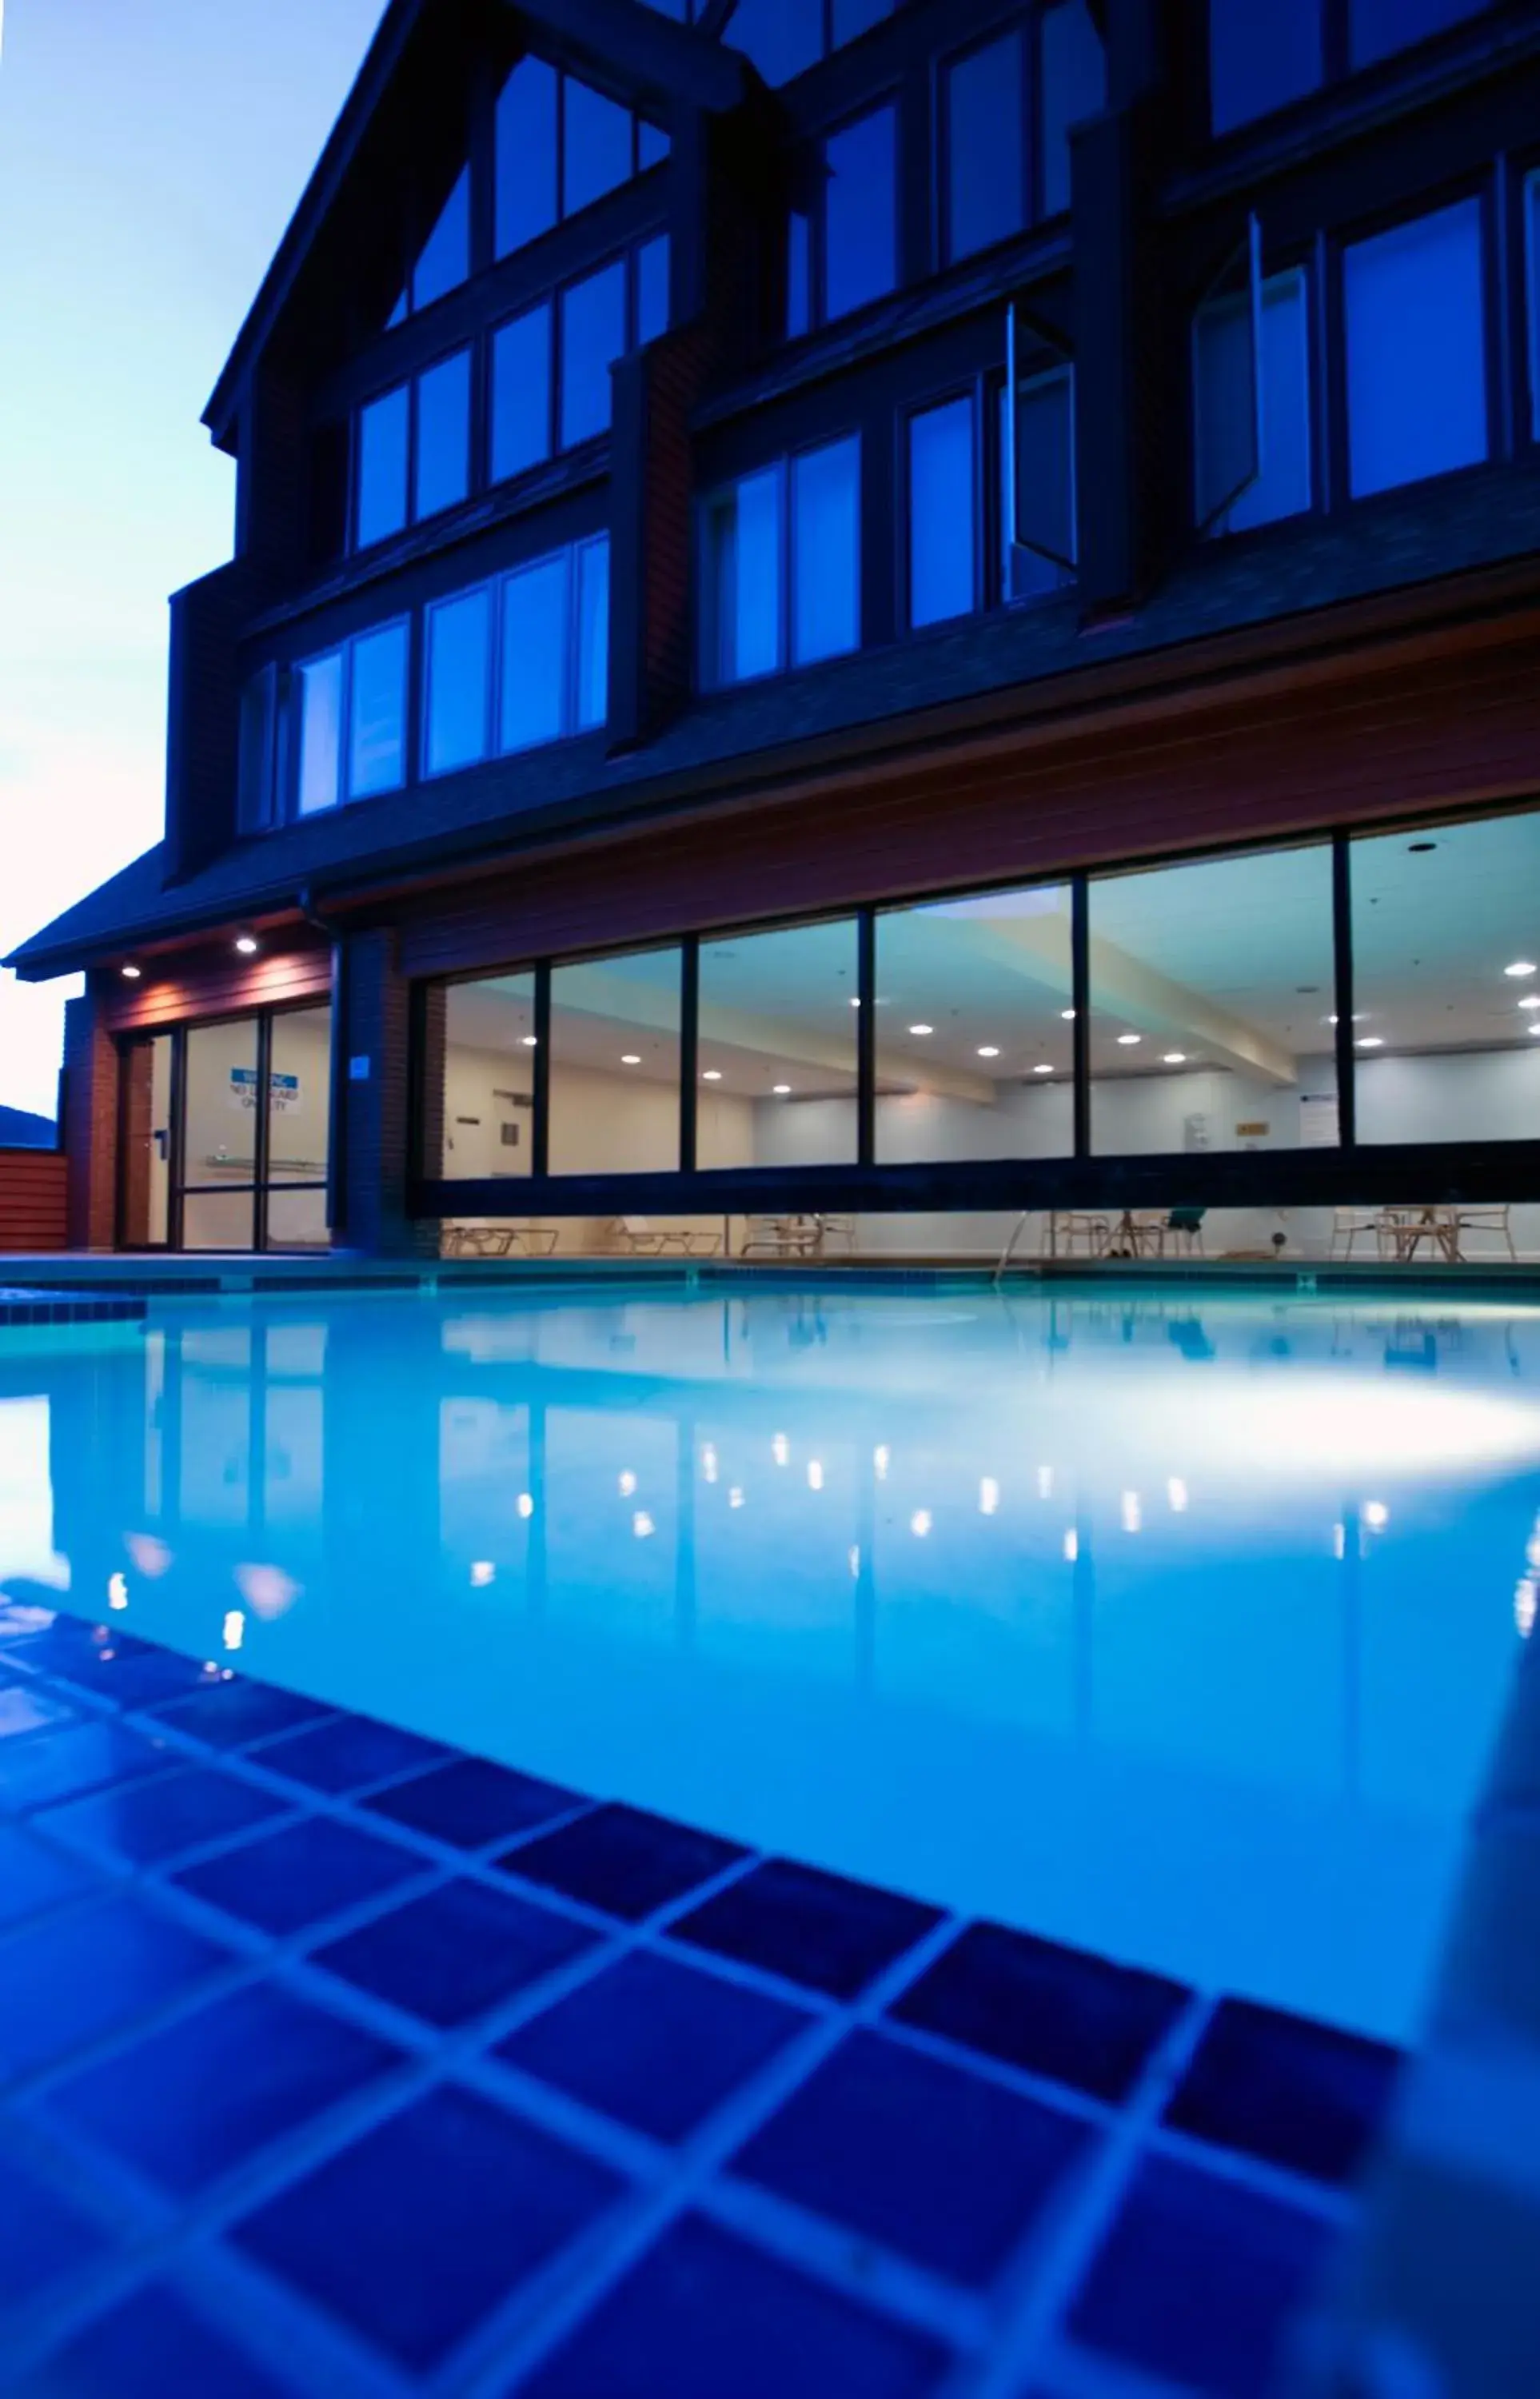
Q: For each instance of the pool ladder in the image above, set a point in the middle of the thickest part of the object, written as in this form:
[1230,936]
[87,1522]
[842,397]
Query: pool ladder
[1010,1251]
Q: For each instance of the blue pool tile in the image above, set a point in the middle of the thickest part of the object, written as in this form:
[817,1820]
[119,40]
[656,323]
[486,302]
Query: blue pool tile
[1299,2095]
[26,1707]
[228,1715]
[300,1875]
[75,1977]
[1058,2012]
[1198,2280]
[146,1824]
[43,2237]
[623,1860]
[152,2346]
[112,1667]
[704,2316]
[349,1753]
[470,1802]
[927,2158]
[414,2232]
[813,1928]
[78,1758]
[455,1952]
[193,2100]
[657,2045]
[35,1878]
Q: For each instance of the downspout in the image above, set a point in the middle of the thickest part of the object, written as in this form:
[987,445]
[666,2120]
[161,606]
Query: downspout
[336,1155]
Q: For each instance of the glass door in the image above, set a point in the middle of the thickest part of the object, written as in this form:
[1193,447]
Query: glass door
[223,1134]
[298,1130]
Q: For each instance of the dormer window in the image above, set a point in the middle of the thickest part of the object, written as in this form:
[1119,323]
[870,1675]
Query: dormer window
[561,145]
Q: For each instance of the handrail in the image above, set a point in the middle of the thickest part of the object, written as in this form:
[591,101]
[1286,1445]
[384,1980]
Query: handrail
[1009,1250]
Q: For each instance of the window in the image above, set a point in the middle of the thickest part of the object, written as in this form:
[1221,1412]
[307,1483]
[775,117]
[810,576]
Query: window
[488,1080]
[384,435]
[257,770]
[614,1065]
[593,336]
[943,513]
[459,680]
[1212,1005]
[560,146]
[443,261]
[362,685]
[1377,27]
[1252,443]
[554,650]
[1040,541]
[784,37]
[1261,59]
[1416,350]
[1446,980]
[975,1051]
[442,476]
[1531,278]
[985,146]
[782,575]
[540,381]
[779,1036]
[593,634]
[860,214]
[1073,85]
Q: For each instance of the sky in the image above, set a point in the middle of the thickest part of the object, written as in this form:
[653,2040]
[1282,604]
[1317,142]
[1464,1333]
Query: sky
[151,153]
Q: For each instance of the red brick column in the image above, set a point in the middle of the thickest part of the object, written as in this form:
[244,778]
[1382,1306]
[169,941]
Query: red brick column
[376,1100]
[90,1124]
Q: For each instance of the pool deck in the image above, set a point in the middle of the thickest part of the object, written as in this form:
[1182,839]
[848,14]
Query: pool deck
[337,2061]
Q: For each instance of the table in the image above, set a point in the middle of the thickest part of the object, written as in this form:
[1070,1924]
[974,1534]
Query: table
[1410,1227]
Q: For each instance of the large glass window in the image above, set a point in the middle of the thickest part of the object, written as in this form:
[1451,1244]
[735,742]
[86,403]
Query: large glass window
[861,212]
[560,146]
[1377,27]
[782,580]
[596,149]
[534,651]
[1251,449]
[1073,85]
[1261,58]
[489,1080]
[1213,1005]
[377,712]
[986,183]
[385,434]
[778,1042]
[443,435]
[459,680]
[782,38]
[1532,283]
[593,336]
[975,1029]
[299,1128]
[943,572]
[522,393]
[320,704]
[443,261]
[220,1096]
[1446,982]
[614,1065]
[1416,350]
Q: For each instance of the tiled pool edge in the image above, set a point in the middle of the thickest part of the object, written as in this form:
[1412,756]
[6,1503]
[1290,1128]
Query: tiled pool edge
[1143,2182]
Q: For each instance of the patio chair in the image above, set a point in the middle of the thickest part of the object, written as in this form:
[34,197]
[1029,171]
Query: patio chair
[1348,1222]
[1074,1225]
[782,1237]
[1184,1229]
[1484,1220]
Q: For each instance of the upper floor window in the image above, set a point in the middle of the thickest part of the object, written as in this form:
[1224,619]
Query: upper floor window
[784,37]
[943,512]
[845,249]
[1414,311]
[521,662]
[1531,280]
[1006,118]
[1262,57]
[414,450]
[352,720]
[443,261]
[1040,533]
[782,566]
[550,365]
[987,520]
[560,146]
[1251,447]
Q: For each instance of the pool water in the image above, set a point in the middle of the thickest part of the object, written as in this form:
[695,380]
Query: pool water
[1176,1629]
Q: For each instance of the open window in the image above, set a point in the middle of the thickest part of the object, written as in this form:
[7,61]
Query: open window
[1040,532]
[1229,427]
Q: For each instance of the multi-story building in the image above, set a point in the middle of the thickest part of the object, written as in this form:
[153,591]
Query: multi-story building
[892,613]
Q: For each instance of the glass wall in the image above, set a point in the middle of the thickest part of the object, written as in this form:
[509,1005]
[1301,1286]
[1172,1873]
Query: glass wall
[489,1080]
[1416,314]
[227,1134]
[778,1048]
[1213,1007]
[614,1065]
[1446,982]
[976,1029]
[220,1096]
[299,1128]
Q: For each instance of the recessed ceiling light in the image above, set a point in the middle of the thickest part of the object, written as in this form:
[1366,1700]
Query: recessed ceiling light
[1531,998]
[1174,1058]
[532,1041]
[631,1059]
[922,1032]
[783,1091]
[855,1003]
[248,948]
[711,1076]
[131,974]
[1042,1070]
[1130,1040]
[1519,968]
[1068,1015]
[1535,1028]
[989,1053]
[1370,1041]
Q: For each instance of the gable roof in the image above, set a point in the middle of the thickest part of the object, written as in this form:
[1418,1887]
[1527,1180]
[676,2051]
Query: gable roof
[655,61]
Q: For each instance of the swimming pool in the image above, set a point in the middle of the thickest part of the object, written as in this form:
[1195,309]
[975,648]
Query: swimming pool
[1174,1628]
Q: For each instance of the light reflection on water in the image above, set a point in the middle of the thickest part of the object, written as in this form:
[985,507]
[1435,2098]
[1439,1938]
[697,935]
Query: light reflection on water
[1180,1629]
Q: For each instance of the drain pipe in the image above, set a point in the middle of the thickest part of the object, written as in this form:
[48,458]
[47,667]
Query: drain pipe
[336,1152]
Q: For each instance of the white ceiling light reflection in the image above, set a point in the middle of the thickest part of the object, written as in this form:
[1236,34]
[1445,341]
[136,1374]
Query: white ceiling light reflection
[483,1574]
[1174,1058]
[989,1496]
[1133,1513]
[642,1525]
[1176,1494]
[526,1505]
[734,1498]
[1254,1429]
[235,1629]
[267,1591]
[815,1474]
[626,1485]
[117,1590]
[1130,1040]
[708,1464]
[783,1091]
[1042,1070]
[1072,1546]
[881,1460]
[1376,1516]
[921,1522]
[780,1448]
[149,1554]
[1045,1483]
[1521,969]
[989,1051]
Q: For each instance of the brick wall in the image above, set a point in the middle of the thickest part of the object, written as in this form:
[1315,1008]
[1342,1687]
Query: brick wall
[90,1124]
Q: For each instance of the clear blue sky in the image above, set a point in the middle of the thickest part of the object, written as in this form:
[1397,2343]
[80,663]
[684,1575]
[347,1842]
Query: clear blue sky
[151,153]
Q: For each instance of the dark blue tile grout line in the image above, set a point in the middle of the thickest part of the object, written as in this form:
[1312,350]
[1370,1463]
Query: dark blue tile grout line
[333,2060]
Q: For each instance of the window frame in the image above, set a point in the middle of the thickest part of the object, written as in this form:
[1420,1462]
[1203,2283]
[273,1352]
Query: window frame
[410,385]
[1337,68]
[551,298]
[971,390]
[291,751]
[489,589]
[1297,265]
[706,591]
[563,214]
[813,182]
